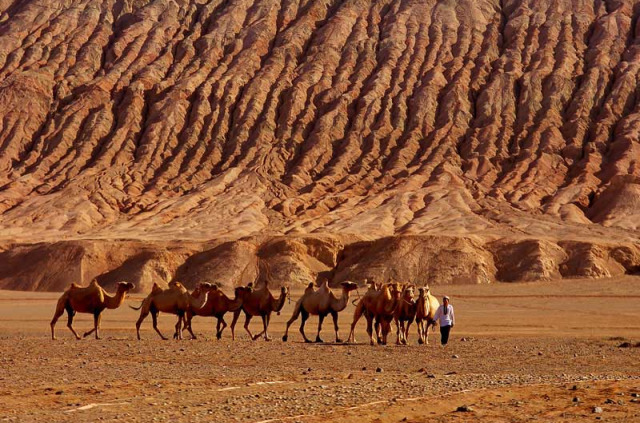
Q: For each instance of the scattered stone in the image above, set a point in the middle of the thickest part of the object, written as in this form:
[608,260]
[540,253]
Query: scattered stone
[576,399]
[540,353]
[635,395]
[464,409]
[59,392]
[455,356]
[431,376]
[597,410]
[574,388]
[609,401]
[378,369]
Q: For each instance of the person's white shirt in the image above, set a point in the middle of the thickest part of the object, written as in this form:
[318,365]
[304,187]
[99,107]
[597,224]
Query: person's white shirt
[445,319]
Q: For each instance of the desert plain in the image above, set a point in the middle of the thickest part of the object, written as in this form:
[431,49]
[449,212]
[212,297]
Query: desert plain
[544,351]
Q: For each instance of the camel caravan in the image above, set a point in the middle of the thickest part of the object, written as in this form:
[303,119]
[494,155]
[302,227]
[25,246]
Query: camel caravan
[381,305]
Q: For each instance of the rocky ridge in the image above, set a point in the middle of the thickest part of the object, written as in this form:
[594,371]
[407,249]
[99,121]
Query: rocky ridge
[498,139]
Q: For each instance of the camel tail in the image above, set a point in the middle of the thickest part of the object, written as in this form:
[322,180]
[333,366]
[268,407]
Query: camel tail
[137,308]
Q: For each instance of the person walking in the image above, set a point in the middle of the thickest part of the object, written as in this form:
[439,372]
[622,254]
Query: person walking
[445,315]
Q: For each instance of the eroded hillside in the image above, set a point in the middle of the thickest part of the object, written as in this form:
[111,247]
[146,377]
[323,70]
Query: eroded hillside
[511,126]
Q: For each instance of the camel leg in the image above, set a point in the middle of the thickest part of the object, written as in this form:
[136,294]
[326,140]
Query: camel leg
[377,327]
[406,332]
[56,316]
[222,323]
[70,313]
[397,322]
[304,316]
[356,316]
[264,330]
[419,329]
[247,319]
[236,314]
[334,316]
[143,315]
[294,317]
[320,320]
[370,329]
[386,328]
[96,322]
[179,327]
[187,324]
[265,322]
[154,317]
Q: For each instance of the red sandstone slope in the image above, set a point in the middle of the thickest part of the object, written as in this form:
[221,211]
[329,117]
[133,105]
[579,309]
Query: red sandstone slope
[194,120]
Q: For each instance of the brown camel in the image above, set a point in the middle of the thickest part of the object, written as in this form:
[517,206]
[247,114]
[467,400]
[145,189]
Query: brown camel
[379,305]
[217,305]
[426,307]
[320,303]
[90,299]
[405,314]
[174,300]
[259,302]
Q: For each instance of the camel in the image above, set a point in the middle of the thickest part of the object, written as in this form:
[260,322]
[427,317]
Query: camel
[90,299]
[405,313]
[426,307]
[217,305]
[320,303]
[379,305]
[174,300]
[259,302]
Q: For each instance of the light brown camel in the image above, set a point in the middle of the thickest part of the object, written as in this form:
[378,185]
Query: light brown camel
[426,307]
[379,305]
[90,299]
[217,305]
[405,314]
[259,302]
[174,300]
[320,303]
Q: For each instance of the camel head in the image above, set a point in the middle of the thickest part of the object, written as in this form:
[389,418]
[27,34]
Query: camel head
[284,290]
[125,286]
[349,286]
[421,292]
[407,292]
[396,290]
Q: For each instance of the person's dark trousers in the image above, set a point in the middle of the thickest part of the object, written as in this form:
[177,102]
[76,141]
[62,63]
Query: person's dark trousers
[444,334]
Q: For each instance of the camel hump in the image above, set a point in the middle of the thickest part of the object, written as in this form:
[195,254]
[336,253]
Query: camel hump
[310,286]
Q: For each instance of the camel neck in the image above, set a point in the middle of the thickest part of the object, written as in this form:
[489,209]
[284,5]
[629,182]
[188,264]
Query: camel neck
[279,302]
[114,301]
[341,303]
[197,303]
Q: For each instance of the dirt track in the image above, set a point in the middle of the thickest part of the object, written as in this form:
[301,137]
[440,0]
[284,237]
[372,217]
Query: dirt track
[522,355]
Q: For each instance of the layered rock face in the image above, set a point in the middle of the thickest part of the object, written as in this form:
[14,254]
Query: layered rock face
[498,138]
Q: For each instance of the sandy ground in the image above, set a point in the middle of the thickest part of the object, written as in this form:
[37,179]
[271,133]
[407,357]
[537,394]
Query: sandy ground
[520,352]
